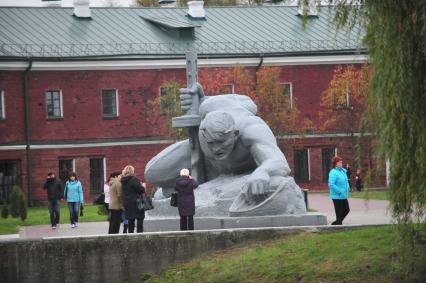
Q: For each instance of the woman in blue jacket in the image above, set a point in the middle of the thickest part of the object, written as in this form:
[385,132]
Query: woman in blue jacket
[74,196]
[339,190]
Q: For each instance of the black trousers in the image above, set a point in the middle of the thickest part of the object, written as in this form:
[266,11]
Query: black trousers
[139,225]
[187,222]
[54,211]
[114,221]
[341,207]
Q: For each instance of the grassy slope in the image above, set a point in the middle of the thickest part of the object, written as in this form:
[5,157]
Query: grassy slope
[40,215]
[352,256]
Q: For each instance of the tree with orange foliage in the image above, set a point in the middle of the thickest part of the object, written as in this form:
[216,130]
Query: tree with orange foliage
[274,106]
[342,104]
[263,86]
[162,109]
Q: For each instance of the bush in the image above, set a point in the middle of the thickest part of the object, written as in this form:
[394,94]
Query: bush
[17,205]
[102,210]
[22,208]
[5,212]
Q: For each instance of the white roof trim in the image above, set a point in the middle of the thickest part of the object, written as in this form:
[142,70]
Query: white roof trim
[180,63]
[130,143]
[79,145]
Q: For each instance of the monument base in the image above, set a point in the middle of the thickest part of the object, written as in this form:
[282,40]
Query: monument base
[157,224]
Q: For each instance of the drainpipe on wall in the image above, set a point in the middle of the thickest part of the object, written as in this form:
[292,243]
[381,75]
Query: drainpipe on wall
[260,62]
[25,80]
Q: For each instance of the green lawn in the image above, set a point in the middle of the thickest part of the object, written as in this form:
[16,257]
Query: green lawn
[381,194]
[364,255]
[370,194]
[40,215]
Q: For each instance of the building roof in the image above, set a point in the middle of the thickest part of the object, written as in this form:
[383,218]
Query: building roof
[157,32]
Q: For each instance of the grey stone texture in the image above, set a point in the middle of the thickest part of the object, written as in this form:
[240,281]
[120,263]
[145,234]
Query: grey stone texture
[121,258]
[233,141]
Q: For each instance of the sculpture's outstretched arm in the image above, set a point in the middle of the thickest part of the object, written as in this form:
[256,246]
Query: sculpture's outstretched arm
[163,169]
[270,160]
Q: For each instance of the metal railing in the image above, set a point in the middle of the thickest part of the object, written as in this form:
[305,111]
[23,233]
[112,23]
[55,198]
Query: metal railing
[173,48]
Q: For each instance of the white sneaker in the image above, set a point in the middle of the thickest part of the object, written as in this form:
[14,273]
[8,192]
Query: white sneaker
[53,227]
[76,224]
[72,225]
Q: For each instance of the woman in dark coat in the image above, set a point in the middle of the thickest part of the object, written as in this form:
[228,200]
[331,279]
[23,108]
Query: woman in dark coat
[185,186]
[131,189]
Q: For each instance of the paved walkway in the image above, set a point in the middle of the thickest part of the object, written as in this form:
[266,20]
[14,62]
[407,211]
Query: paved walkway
[362,212]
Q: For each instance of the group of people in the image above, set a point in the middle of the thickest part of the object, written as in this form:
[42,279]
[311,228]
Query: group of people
[339,184]
[121,191]
[358,180]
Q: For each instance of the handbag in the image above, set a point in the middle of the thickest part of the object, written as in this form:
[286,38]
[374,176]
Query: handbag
[174,199]
[147,202]
[144,202]
[81,210]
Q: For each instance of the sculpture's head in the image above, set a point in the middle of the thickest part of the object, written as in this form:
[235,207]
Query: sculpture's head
[218,134]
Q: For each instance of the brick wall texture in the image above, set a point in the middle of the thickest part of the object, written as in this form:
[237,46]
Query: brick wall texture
[82,120]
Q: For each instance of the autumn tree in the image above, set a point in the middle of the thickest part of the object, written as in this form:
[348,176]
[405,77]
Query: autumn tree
[264,87]
[147,3]
[274,102]
[395,36]
[161,110]
[342,103]
[184,3]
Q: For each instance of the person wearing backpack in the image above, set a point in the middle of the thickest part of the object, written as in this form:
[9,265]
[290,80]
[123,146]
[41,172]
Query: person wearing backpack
[74,196]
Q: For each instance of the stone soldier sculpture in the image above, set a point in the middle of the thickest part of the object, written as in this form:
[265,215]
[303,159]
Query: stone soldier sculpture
[234,141]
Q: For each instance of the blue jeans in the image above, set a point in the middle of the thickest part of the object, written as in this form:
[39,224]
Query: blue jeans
[74,207]
[53,206]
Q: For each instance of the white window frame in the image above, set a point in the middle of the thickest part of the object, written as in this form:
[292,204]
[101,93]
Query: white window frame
[61,108]
[105,174]
[116,104]
[309,164]
[291,92]
[347,97]
[3,110]
[232,87]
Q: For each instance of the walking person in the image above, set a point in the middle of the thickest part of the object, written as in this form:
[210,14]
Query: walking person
[54,195]
[185,186]
[132,188]
[358,180]
[339,190]
[116,203]
[349,173]
[74,196]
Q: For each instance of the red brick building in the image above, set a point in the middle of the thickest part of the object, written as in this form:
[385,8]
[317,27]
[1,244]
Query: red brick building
[74,90]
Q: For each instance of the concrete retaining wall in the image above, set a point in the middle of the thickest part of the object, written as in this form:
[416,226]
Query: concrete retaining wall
[119,258]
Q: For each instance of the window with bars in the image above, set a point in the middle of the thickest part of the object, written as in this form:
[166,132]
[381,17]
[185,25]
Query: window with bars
[327,154]
[288,93]
[109,103]
[227,89]
[341,101]
[96,175]
[301,165]
[54,104]
[66,166]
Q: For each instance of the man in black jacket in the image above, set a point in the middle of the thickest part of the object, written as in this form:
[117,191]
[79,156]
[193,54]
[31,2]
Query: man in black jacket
[54,194]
